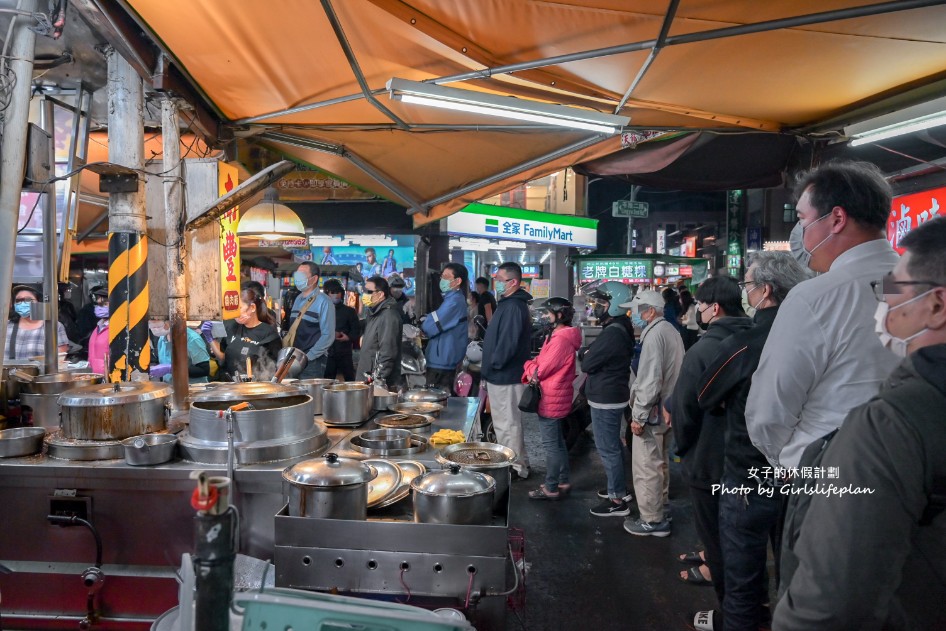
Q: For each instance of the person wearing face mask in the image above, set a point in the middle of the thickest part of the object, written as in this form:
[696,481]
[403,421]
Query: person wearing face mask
[26,338]
[659,367]
[98,340]
[446,328]
[607,362]
[397,290]
[198,355]
[250,336]
[822,357]
[874,560]
[506,347]
[381,343]
[700,435]
[554,370]
[745,520]
[312,321]
[346,332]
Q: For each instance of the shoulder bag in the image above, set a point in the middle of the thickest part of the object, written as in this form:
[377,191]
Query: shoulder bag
[529,402]
[290,338]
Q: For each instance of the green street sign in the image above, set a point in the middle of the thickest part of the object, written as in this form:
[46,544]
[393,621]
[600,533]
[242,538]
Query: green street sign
[625,208]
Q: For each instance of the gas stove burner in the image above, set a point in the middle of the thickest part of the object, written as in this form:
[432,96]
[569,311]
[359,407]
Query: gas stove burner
[418,444]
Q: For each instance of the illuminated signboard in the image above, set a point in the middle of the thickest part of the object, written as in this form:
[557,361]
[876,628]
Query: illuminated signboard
[531,271]
[630,271]
[514,224]
[909,211]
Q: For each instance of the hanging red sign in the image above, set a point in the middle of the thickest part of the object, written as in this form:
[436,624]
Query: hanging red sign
[909,211]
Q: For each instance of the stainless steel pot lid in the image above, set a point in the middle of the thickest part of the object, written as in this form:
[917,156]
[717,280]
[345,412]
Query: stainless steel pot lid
[347,386]
[331,470]
[246,392]
[108,394]
[387,482]
[428,394]
[405,421]
[453,482]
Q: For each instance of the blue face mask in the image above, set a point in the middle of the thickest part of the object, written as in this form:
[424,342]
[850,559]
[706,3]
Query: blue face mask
[638,321]
[445,285]
[336,299]
[500,287]
[300,280]
[22,309]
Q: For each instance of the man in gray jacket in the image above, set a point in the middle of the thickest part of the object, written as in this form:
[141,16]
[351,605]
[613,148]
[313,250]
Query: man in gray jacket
[872,557]
[661,358]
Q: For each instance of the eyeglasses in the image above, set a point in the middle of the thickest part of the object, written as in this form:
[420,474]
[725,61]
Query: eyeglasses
[20,301]
[746,283]
[888,286]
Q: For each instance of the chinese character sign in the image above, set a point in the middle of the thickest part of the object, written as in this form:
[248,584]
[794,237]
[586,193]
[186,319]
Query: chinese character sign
[909,211]
[626,270]
[229,247]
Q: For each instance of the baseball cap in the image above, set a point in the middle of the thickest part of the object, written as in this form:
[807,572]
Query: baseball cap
[395,280]
[648,298]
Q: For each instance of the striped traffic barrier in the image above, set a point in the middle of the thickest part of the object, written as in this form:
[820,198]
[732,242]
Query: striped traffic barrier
[128,341]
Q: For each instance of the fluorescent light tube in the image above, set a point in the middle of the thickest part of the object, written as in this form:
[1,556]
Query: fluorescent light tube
[504,106]
[899,129]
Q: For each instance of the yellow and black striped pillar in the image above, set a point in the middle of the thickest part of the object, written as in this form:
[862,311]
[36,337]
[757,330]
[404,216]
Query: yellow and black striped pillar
[128,342]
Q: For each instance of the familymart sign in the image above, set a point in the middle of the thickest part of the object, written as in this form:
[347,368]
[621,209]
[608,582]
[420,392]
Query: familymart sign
[513,224]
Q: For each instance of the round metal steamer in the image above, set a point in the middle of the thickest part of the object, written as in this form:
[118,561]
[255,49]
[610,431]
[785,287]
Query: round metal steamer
[278,425]
[114,411]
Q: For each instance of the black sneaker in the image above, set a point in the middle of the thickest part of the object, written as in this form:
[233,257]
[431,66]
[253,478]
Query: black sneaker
[608,508]
[603,494]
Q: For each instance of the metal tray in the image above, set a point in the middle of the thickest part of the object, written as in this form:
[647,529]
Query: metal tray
[21,441]
[385,483]
[418,444]
[410,469]
[405,421]
[418,407]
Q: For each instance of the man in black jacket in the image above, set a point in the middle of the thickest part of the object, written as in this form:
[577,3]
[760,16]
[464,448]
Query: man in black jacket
[506,348]
[745,520]
[873,558]
[607,362]
[381,343]
[347,330]
[700,438]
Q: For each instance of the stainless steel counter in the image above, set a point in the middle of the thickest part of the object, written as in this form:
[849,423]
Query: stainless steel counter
[146,522]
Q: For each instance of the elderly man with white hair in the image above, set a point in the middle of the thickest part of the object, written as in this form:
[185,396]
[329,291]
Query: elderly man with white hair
[661,357]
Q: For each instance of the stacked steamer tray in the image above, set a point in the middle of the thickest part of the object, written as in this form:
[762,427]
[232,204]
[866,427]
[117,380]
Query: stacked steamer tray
[278,425]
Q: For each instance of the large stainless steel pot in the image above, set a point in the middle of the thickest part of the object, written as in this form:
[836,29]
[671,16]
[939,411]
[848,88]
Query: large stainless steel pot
[276,412]
[347,402]
[45,408]
[329,488]
[492,459]
[427,394]
[59,382]
[11,385]
[113,411]
[314,388]
[453,496]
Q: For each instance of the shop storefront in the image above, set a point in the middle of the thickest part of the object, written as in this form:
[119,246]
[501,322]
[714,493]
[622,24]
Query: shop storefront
[483,236]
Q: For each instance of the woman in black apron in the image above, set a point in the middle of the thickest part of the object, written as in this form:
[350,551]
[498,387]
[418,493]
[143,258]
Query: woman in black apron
[250,336]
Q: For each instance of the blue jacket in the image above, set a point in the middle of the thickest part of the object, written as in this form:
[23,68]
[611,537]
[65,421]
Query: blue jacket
[446,328]
[508,341]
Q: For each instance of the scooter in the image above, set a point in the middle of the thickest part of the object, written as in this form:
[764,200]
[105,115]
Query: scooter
[413,362]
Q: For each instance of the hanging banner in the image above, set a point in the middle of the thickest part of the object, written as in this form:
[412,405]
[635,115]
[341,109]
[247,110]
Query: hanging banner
[227,177]
[313,186]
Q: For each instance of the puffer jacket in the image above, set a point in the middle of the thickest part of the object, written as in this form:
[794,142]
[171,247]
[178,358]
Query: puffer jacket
[556,366]
[446,330]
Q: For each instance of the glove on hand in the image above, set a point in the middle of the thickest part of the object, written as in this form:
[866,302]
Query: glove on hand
[160,370]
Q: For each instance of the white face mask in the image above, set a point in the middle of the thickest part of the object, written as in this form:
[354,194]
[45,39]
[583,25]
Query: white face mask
[747,306]
[898,345]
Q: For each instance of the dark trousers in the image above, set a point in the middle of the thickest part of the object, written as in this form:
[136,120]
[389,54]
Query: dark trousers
[441,378]
[340,365]
[745,524]
[706,519]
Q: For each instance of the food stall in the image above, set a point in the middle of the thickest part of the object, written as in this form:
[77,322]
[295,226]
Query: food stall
[91,533]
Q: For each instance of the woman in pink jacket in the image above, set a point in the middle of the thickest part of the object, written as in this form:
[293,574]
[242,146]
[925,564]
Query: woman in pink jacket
[554,368]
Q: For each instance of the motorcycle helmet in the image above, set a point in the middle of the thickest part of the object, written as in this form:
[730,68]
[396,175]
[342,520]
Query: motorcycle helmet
[561,308]
[620,293]
[474,352]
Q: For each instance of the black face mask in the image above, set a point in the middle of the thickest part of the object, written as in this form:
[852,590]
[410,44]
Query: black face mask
[600,312]
[699,320]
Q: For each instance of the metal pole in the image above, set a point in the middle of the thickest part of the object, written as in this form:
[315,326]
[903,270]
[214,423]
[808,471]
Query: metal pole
[13,152]
[630,221]
[129,344]
[50,280]
[176,265]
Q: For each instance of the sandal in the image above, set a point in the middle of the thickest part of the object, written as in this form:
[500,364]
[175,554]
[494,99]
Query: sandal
[691,558]
[542,493]
[695,577]
[564,488]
